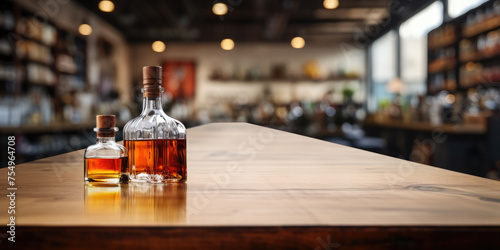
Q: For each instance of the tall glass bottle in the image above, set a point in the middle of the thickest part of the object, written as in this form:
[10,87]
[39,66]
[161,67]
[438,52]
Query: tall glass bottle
[156,142]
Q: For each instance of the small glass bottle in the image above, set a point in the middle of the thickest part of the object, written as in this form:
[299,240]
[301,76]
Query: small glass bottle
[155,141]
[106,161]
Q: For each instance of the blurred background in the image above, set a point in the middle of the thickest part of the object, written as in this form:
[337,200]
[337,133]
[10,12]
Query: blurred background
[418,80]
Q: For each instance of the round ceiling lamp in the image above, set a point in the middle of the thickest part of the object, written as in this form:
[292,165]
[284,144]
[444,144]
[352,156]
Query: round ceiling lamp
[158,46]
[106,6]
[85,29]
[219,9]
[331,4]
[298,42]
[227,44]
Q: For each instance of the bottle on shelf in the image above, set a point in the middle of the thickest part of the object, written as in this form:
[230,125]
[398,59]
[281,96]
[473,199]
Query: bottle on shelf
[156,142]
[106,161]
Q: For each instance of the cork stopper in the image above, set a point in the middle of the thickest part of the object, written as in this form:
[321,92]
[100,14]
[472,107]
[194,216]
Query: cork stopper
[151,79]
[105,121]
[151,75]
[105,125]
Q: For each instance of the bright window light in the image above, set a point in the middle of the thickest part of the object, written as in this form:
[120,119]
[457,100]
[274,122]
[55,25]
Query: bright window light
[414,46]
[383,62]
[383,54]
[458,7]
[423,22]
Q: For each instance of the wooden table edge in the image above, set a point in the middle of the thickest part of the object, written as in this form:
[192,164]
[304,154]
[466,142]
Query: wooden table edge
[257,237]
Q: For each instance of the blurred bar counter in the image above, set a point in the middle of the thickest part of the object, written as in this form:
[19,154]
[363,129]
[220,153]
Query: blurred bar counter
[469,129]
[52,128]
[468,148]
[38,141]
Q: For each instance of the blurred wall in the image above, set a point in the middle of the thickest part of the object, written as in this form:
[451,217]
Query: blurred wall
[69,15]
[245,55]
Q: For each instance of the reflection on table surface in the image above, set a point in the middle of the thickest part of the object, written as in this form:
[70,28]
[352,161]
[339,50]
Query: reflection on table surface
[137,202]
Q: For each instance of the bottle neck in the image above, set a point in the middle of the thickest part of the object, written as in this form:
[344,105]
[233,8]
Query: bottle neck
[151,103]
[105,139]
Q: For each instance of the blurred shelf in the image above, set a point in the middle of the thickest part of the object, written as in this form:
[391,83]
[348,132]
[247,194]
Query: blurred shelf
[440,66]
[70,74]
[485,83]
[5,30]
[51,128]
[289,80]
[427,127]
[325,133]
[480,28]
[41,84]
[43,63]
[454,69]
[6,57]
[443,44]
[4,81]
[35,40]
[435,91]
[479,57]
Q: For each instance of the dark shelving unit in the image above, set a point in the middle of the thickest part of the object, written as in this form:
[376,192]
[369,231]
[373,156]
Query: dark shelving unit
[35,46]
[450,66]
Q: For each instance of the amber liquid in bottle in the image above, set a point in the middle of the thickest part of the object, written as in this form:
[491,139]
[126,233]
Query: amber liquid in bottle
[104,170]
[165,159]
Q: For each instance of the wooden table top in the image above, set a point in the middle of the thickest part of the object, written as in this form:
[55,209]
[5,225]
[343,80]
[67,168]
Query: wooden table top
[242,175]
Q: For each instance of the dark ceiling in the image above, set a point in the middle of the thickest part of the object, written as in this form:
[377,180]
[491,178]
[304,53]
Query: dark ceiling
[246,20]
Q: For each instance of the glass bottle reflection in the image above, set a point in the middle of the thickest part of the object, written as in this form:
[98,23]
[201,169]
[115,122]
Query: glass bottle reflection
[102,200]
[137,202]
[170,203]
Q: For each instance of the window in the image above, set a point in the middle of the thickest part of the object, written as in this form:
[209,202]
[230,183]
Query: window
[458,7]
[383,62]
[413,34]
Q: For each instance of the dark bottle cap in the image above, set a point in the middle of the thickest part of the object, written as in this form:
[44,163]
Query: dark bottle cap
[105,121]
[105,125]
[151,79]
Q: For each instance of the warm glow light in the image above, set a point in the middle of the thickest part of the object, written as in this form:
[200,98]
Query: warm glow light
[450,98]
[395,86]
[227,44]
[158,46]
[470,66]
[219,9]
[298,42]
[493,35]
[331,4]
[106,6]
[85,29]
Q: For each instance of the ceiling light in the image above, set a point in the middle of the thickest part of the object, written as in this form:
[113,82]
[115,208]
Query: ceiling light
[331,4]
[227,44]
[85,29]
[106,6]
[158,46]
[298,42]
[219,9]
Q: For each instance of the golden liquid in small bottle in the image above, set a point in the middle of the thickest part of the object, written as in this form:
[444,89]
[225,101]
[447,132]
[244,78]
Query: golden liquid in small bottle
[106,170]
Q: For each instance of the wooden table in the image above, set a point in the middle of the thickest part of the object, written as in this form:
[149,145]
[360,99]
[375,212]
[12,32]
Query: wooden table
[253,187]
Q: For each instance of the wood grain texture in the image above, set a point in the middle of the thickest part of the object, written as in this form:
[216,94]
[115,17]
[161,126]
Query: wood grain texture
[246,176]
